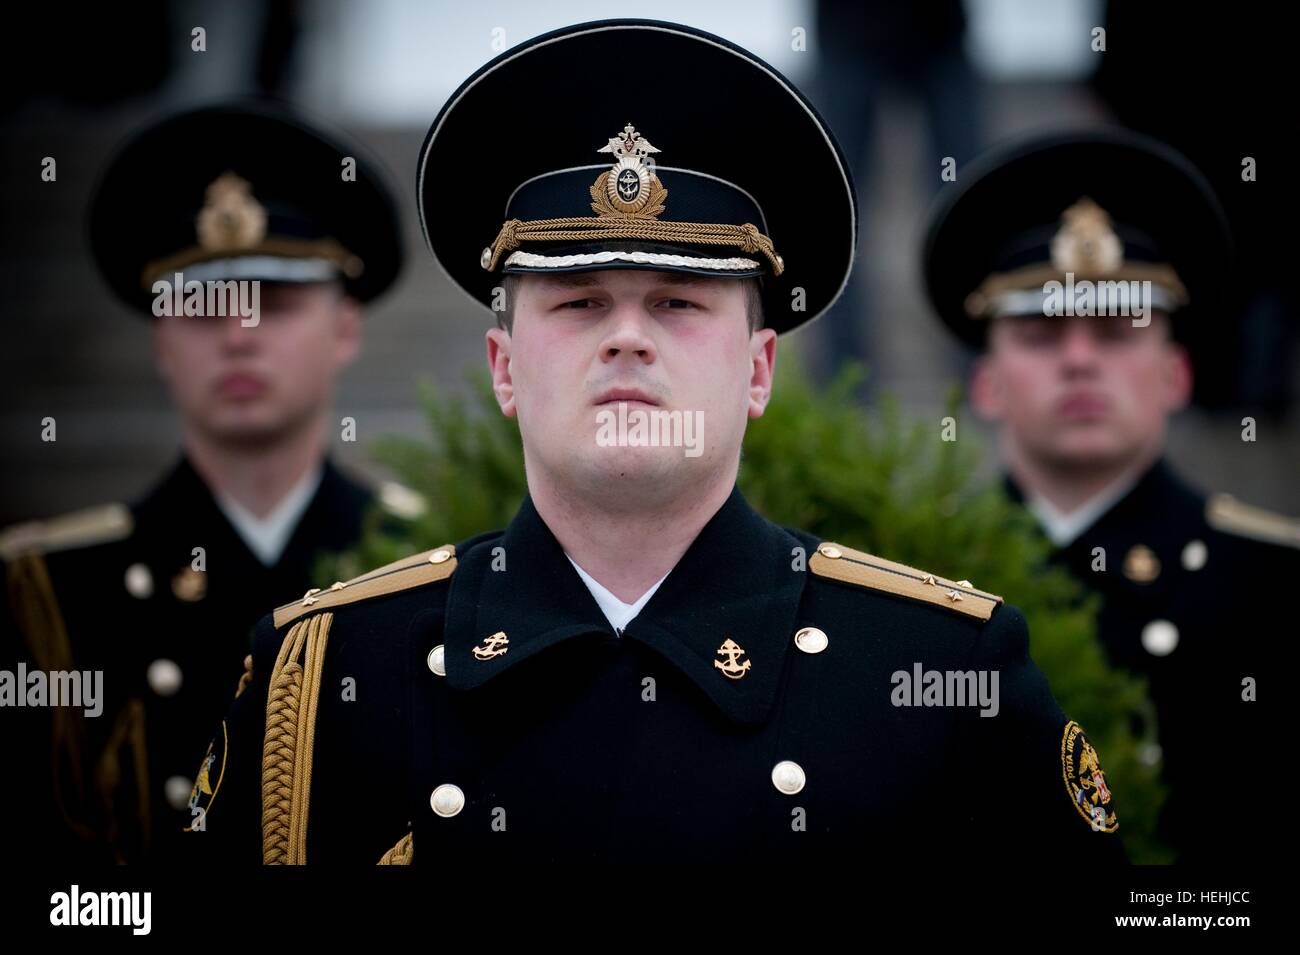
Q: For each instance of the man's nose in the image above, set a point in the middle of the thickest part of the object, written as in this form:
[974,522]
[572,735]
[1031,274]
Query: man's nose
[628,333]
[1079,344]
[235,335]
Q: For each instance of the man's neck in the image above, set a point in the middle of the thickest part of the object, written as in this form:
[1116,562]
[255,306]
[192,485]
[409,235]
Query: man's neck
[257,477]
[626,551]
[1067,488]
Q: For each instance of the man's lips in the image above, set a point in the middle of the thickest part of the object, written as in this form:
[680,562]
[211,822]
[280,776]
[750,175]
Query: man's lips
[241,385]
[1084,405]
[629,395]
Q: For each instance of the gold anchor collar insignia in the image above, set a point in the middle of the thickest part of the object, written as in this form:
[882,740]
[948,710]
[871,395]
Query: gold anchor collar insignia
[732,668]
[493,646]
[189,584]
[1141,565]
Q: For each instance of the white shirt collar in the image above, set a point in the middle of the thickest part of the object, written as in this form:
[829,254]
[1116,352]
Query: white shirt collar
[616,611]
[267,536]
[1063,527]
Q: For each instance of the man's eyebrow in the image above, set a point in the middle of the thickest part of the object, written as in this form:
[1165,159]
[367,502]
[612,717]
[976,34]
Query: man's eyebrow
[688,278]
[570,280]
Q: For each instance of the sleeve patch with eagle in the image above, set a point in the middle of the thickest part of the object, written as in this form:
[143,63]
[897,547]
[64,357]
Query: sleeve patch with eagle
[1085,783]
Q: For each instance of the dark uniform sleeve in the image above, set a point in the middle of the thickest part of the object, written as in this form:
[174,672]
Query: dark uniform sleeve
[226,801]
[32,824]
[1032,786]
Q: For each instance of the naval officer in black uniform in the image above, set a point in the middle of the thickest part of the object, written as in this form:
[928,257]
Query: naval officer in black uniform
[1131,233]
[161,595]
[640,667]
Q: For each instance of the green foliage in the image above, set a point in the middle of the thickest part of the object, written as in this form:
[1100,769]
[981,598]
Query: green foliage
[868,479]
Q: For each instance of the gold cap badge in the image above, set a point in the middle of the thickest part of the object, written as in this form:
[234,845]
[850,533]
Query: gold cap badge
[630,188]
[230,218]
[1086,243]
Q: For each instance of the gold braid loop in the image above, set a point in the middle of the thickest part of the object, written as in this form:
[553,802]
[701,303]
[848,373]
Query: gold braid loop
[290,735]
[246,677]
[37,616]
[514,231]
[128,735]
[401,854]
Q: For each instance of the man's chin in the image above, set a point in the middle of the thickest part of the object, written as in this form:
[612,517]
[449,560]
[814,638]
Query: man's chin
[1089,450]
[643,471]
[246,430]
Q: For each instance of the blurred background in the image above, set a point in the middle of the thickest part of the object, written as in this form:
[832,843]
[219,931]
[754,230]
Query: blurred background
[901,84]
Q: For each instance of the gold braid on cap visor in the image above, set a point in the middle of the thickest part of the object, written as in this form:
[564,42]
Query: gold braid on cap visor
[627,198]
[515,231]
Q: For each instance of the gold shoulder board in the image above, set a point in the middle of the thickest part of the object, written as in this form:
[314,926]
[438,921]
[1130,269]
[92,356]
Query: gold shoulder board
[866,570]
[83,528]
[1225,513]
[414,571]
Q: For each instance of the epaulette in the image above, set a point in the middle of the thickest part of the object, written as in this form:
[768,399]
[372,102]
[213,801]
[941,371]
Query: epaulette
[414,571]
[293,694]
[401,501]
[866,570]
[83,528]
[1225,513]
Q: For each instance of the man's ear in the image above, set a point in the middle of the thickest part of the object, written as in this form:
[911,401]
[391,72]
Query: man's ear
[762,348]
[1179,376]
[986,393]
[498,358]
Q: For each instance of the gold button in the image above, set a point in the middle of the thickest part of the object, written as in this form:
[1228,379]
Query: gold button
[190,585]
[810,640]
[440,556]
[437,660]
[831,551]
[447,800]
[788,777]
[1141,565]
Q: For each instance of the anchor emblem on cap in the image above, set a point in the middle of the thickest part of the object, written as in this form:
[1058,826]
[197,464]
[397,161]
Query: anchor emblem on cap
[630,189]
[231,218]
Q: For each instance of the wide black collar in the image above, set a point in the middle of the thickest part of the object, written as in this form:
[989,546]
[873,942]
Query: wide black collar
[181,506]
[1158,501]
[738,580]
